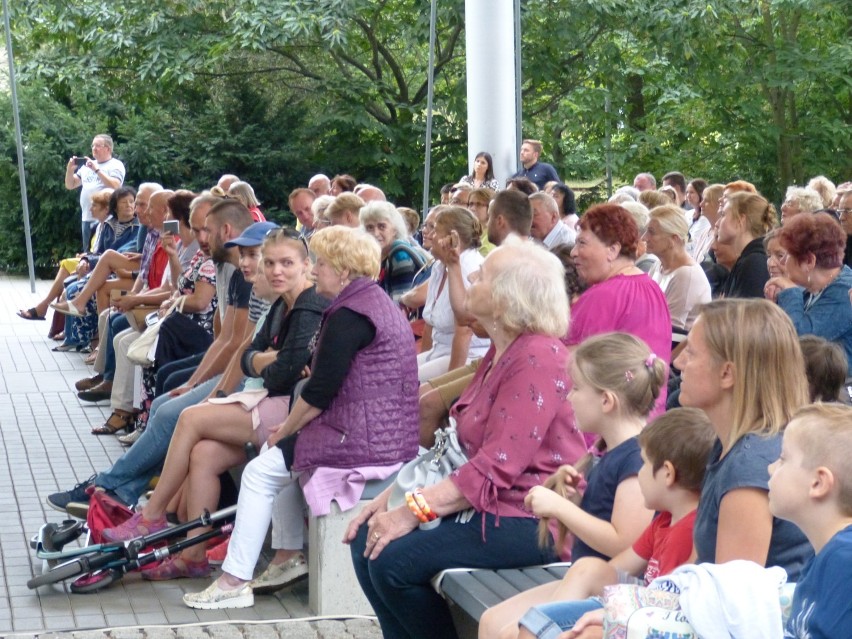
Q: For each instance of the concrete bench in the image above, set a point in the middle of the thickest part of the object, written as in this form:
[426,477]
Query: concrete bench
[471,592]
[333,588]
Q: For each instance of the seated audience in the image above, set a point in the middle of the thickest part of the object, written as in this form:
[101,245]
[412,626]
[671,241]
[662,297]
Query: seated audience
[826,368]
[799,200]
[400,260]
[815,292]
[363,383]
[746,218]
[683,281]
[810,486]
[547,227]
[515,425]
[449,344]
[244,192]
[604,255]
[344,210]
[732,344]
[611,514]
[674,449]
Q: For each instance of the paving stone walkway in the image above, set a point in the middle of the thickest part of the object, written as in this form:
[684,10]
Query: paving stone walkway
[45,446]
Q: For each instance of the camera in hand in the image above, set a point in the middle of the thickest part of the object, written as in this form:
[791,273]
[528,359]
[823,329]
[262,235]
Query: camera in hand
[81,162]
[171,226]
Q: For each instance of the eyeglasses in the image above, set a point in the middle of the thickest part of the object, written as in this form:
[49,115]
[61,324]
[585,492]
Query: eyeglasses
[842,212]
[290,234]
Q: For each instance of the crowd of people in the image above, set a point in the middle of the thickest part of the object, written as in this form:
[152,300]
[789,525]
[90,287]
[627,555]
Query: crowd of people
[683,351]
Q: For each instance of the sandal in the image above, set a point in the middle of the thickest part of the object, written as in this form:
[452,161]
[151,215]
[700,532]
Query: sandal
[115,424]
[30,314]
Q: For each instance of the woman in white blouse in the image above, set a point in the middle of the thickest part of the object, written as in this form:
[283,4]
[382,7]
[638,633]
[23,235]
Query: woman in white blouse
[683,281]
[451,345]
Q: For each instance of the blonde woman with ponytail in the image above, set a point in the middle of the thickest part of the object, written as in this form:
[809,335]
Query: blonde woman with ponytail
[747,217]
[616,381]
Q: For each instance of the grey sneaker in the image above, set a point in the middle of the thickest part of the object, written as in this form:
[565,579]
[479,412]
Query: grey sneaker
[280,576]
[214,598]
[79,493]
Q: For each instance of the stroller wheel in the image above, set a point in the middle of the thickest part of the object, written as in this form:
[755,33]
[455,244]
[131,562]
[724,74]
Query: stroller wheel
[94,581]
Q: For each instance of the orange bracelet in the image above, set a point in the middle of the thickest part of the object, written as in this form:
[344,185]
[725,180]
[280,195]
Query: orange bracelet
[415,509]
[420,500]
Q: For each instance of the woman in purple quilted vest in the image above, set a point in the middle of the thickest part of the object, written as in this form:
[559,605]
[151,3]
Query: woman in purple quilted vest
[515,426]
[356,417]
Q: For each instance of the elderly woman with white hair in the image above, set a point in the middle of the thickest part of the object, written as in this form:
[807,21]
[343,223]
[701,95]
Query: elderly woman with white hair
[400,259]
[683,281]
[515,425]
[799,200]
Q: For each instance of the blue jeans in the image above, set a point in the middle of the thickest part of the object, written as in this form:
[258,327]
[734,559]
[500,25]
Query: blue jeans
[117,323]
[131,474]
[397,582]
[548,621]
[177,366]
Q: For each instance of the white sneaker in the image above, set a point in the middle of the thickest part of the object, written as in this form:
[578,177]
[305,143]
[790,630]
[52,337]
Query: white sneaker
[214,598]
[130,439]
[276,577]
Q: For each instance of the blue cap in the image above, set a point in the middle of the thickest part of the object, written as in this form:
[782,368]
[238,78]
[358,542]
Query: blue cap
[253,235]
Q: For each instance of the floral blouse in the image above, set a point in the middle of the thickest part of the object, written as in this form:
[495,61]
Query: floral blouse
[516,426]
[201,269]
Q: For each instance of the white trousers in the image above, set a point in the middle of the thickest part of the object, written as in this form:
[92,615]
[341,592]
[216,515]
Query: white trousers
[266,486]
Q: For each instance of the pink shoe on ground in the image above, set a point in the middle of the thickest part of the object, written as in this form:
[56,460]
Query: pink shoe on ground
[136,526]
[216,555]
[176,567]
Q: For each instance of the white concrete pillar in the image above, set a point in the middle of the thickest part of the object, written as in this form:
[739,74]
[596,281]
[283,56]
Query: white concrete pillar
[489,28]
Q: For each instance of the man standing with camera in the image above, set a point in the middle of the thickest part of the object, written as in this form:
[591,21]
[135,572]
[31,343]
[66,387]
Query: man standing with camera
[99,172]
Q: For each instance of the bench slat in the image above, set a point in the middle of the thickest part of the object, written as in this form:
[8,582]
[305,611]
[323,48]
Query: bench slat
[470,594]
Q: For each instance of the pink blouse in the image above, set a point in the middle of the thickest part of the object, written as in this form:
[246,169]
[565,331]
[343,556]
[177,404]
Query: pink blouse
[516,425]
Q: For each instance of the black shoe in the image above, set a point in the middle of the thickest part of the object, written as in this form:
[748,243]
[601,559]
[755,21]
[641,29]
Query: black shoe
[99,393]
[60,501]
[80,509]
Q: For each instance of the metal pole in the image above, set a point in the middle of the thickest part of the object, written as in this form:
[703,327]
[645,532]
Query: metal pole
[427,168]
[519,112]
[21,172]
[608,144]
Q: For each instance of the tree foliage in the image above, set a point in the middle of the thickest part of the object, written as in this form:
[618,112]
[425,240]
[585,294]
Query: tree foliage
[276,90]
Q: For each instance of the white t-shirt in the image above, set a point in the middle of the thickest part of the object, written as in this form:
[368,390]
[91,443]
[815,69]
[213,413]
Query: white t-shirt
[685,288]
[92,183]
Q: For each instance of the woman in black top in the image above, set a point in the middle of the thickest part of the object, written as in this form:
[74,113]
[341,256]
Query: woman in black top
[747,217]
[209,438]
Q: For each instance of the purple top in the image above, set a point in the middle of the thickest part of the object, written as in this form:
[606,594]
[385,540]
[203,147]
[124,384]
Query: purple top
[516,425]
[632,304]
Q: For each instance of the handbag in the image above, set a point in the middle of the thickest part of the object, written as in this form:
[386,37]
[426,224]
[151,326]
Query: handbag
[430,468]
[143,350]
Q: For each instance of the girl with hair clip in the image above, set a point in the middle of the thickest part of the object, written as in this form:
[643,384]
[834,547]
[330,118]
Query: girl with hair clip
[616,380]
[743,367]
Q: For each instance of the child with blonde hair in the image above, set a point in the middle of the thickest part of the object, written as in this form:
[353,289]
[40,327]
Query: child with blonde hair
[811,485]
[674,447]
[616,380]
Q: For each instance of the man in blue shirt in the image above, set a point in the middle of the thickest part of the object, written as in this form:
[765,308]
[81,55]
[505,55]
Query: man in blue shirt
[539,173]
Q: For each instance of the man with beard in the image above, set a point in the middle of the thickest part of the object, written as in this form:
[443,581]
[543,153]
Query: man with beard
[130,475]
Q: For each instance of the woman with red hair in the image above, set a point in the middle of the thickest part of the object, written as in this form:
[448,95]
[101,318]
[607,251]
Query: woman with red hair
[815,293]
[620,297]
